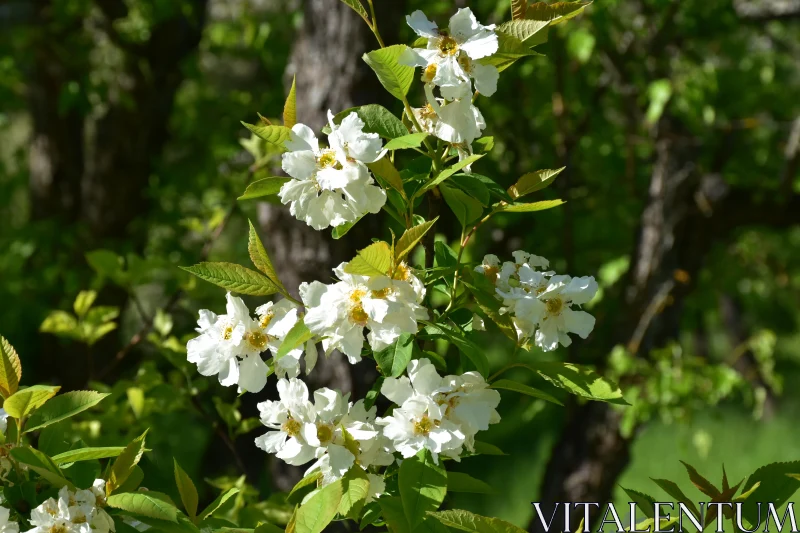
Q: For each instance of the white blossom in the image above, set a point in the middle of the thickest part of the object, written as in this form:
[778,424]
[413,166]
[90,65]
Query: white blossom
[339,312]
[332,186]
[3,421]
[286,418]
[559,318]
[451,56]
[78,511]
[6,524]
[276,320]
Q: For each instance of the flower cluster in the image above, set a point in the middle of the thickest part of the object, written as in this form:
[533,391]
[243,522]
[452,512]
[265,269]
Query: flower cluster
[541,302]
[332,185]
[78,511]
[230,345]
[335,432]
[451,61]
[386,306]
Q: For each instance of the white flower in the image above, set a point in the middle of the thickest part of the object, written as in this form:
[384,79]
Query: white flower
[52,516]
[74,512]
[6,524]
[3,421]
[275,321]
[478,323]
[287,417]
[471,404]
[224,340]
[559,318]
[490,267]
[450,58]
[339,312]
[332,186]
[419,420]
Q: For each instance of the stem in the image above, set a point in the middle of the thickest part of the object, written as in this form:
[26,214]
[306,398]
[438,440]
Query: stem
[464,242]
[374,25]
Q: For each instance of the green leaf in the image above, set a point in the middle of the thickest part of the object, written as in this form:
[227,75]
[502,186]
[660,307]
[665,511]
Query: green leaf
[510,49]
[446,173]
[412,140]
[275,135]
[394,77]
[776,486]
[303,487]
[445,256]
[484,145]
[105,262]
[643,501]
[62,407]
[25,401]
[555,13]
[423,485]
[374,260]
[528,208]
[507,384]
[474,186]
[392,511]
[484,448]
[386,171]
[524,30]
[466,208]
[133,481]
[260,257]
[466,521]
[186,487]
[378,119]
[234,278]
[533,181]
[460,482]
[320,509]
[578,380]
[357,7]
[264,187]
[410,238]
[218,502]
[87,454]
[145,504]
[297,336]
[491,307]
[10,369]
[83,302]
[290,107]
[124,464]
[394,359]
[702,484]
[355,489]
[674,491]
[473,352]
[337,232]
[518,9]
[42,465]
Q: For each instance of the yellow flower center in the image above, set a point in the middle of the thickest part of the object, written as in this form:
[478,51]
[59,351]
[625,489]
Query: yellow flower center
[465,63]
[291,427]
[423,426]
[430,73]
[324,433]
[402,272]
[266,319]
[328,159]
[58,528]
[381,294]
[357,314]
[257,340]
[227,333]
[554,306]
[448,46]
[491,273]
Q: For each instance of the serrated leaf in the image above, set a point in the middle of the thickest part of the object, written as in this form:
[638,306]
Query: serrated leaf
[394,359]
[530,208]
[411,238]
[320,509]
[518,9]
[264,187]
[423,485]
[275,135]
[87,454]
[124,464]
[83,302]
[337,232]
[643,501]
[471,350]
[260,257]
[297,336]
[466,208]
[510,49]
[702,484]
[187,490]
[460,482]
[555,13]
[25,401]
[62,407]
[235,278]
[42,465]
[412,140]
[466,521]
[374,260]
[674,491]
[376,118]
[218,502]
[145,504]
[355,489]
[524,30]
[394,77]
[579,380]
[446,173]
[776,486]
[386,171]
[357,7]
[515,386]
[10,369]
[533,181]
[303,487]
[290,107]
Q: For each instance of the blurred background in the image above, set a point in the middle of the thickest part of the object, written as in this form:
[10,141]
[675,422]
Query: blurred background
[122,154]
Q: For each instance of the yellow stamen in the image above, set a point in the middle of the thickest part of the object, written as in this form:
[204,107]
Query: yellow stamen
[227,333]
[382,294]
[447,45]
[324,433]
[430,73]
[423,426]
[257,340]
[266,319]
[491,273]
[291,427]
[554,306]
[357,314]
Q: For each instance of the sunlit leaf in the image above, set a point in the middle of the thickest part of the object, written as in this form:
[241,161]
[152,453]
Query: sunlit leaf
[290,107]
[62,407]
[10,369]
[23,402]
[374,260]
[394,77]
[235,278]
[264,187]
[423,485]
